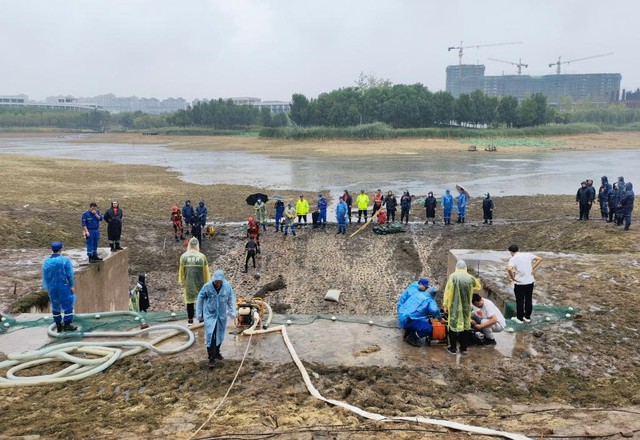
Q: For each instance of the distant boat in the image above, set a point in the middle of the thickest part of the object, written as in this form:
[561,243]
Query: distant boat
[472,148]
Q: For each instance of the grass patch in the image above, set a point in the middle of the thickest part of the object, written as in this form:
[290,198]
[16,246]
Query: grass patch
[39,300]
[202,131]
[382,131]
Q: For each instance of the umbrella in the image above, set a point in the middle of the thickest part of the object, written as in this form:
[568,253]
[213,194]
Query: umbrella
[253,198]
[461,189]
[277,197]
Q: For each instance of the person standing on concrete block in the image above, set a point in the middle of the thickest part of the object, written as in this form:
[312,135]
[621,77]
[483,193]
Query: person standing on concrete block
[58,281]
[91,228]
[113,217]
[216,301]
[192,275]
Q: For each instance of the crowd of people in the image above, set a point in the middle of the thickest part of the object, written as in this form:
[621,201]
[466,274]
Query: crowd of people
[189,221]
[616,201]
[470,319]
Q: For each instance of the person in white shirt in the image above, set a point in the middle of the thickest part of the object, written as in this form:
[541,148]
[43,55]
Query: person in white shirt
[487,318]
[520,268]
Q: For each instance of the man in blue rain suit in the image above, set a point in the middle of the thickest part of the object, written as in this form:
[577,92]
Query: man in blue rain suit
[462,206]
[626,203]
[201,214]
[91,229]
[187,216]
[603,197]
[415,306]
[322,211]
[59,282]
[279,213]
[447,207]
[216,301]
[341,216]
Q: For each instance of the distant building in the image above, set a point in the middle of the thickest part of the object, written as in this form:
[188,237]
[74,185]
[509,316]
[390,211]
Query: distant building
[13,99]
[115,104]
[596,87]
[274,106]
[631,99]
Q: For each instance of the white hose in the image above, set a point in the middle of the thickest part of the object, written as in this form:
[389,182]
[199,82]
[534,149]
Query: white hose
[108,351]
[373,416]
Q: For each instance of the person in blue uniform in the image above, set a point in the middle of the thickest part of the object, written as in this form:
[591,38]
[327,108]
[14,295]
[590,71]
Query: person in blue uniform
[187,215]
[58,281]
[447,207]
[322,210]
[91,228]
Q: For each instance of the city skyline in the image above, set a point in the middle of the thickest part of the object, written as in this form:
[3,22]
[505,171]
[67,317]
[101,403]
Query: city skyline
[272,50]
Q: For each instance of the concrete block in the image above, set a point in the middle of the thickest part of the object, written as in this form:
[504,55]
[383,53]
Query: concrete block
[104,286]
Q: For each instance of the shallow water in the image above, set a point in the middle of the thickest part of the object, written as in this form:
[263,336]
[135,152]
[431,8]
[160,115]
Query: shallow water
[479,172]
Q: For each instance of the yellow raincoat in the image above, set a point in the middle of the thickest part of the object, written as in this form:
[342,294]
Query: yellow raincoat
[457,299]
[194,272]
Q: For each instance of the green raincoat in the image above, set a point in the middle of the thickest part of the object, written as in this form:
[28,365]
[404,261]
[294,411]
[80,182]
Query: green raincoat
[457,299]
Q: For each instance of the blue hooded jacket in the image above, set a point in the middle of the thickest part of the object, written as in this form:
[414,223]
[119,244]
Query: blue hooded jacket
[214,306]
[418,306]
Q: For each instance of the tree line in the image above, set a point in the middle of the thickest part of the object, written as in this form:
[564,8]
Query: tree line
[414,106]
[224,114]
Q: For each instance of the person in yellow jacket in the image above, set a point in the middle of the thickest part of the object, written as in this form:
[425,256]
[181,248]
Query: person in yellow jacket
[193,274]
[363,203]
[457,304]
[302,209]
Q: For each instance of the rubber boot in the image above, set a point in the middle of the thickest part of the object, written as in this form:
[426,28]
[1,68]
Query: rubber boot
[112,246]
[118,248]
[211,355]
[68,327]
[413,339]
[459,219]
[217,354]
[59,327]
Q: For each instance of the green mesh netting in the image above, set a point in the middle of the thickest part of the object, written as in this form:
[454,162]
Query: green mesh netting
[541,316]
[111,321]
[391,228]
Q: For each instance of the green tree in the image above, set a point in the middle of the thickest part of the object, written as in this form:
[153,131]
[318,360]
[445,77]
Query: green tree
[265,116]
[300,112]
[507,111]
[463,109]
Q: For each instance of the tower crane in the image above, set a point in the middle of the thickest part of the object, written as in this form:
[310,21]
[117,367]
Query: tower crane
[560,62]
[461,47]
[519,64]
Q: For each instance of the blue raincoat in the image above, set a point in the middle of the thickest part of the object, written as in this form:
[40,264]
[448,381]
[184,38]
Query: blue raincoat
[462,204]
[201,214]
[341,213]
[447,204]
[57,280]
[214,306]
[415,310]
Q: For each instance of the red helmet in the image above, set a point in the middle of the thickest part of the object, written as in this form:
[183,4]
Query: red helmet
[251,220]
[175,209]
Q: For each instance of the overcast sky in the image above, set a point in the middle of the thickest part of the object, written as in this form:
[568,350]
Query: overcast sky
[271,49]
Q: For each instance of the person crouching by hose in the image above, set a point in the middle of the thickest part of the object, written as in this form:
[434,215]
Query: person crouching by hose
[415,305]
[216,301]
[58,281]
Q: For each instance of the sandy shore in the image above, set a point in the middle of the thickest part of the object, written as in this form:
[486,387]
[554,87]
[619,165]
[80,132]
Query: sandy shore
[281,147]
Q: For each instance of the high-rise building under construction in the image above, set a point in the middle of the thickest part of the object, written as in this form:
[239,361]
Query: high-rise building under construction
[595,87]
